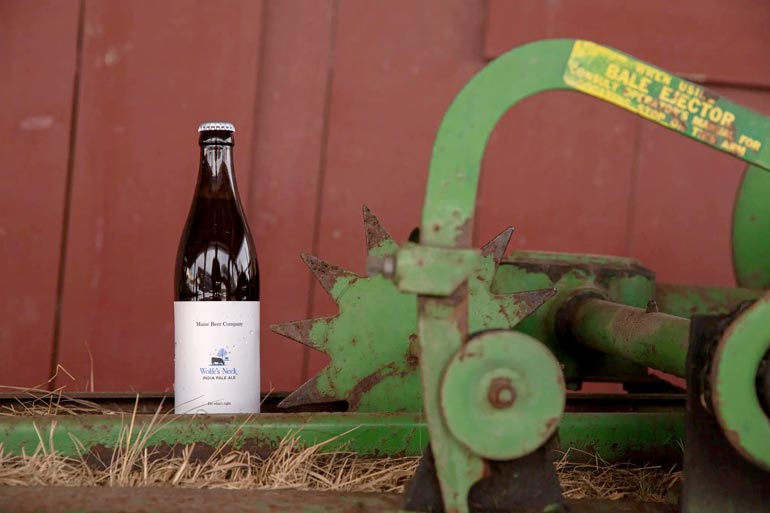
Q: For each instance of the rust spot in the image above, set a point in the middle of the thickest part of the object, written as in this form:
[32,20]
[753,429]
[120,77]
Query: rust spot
[308,393]
[375,233]
[604,272]
[464,236]
[326,273]
[298,331]
[505,314]
[530,301]
[501,393]
[460,299]
[368,382]
[497,246]
[421,304]
[551,423]
[413,356]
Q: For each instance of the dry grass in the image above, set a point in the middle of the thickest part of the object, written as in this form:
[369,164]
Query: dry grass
[296,467]
[292,466]
[598,479]
[37,402]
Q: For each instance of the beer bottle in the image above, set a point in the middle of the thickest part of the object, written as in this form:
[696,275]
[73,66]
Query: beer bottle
[216,294]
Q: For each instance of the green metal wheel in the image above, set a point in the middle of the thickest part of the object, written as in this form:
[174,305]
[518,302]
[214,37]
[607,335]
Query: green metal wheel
[734,383]
[503,395]
[751,221]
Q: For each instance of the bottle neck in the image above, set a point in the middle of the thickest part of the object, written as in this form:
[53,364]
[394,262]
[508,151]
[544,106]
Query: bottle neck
[216,173]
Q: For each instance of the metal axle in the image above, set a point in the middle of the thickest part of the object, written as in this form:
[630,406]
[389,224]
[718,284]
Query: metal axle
[653,339]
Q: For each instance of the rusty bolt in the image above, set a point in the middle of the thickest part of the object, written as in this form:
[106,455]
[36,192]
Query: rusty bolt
[501,393]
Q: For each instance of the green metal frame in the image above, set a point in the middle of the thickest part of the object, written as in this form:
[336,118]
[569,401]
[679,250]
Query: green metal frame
[447,219]
[650,436]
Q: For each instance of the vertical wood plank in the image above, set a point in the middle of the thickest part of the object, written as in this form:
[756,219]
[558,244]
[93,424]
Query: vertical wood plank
[287,159]
[397,66]
[38,43]
[151,72]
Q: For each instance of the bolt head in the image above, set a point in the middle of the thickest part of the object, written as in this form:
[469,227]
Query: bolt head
[381,265]
[501,393]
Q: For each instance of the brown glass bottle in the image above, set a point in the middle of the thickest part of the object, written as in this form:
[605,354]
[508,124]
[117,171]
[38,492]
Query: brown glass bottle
[216,260]
[216,294]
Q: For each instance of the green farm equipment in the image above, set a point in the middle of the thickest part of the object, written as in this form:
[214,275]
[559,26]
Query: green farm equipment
[475,351]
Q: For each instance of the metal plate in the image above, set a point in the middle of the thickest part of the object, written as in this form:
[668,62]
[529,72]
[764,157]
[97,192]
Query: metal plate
[503,395]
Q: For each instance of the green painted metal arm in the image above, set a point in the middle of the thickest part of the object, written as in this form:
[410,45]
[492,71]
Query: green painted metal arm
[569,64]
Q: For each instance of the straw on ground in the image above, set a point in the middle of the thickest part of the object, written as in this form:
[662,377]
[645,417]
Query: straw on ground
[291,466]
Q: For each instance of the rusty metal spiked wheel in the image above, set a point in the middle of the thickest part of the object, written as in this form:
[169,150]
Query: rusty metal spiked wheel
[372,341]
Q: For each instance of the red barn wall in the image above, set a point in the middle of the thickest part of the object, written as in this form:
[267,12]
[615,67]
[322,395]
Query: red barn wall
[336,104]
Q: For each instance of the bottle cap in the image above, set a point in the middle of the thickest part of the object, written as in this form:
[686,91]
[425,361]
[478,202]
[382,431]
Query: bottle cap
[216,125]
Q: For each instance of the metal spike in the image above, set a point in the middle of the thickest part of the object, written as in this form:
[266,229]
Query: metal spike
[521,304]
[300,332]
[307,393]
[376,235]
[498,245]
[327,274]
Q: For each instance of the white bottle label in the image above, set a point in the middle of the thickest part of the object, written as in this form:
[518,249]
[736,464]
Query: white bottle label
[216,356]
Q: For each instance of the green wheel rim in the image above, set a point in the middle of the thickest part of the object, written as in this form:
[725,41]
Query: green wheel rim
[521,422]
[751,222]
[733,383]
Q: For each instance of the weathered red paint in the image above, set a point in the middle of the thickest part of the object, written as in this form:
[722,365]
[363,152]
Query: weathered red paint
[38,51]
[559,169]
[288,150]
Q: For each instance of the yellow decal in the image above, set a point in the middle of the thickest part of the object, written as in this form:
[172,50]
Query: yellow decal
[659,96]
